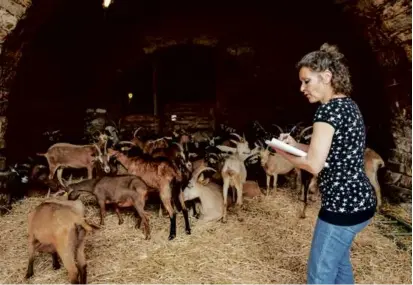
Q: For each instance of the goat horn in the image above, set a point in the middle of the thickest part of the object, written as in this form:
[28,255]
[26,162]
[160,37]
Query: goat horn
[136,131]
[259,125]
[97,147]
[259,144]
[303,131]
[202,169]
[59,177]
[281,130]
[237,135]
[105,149]
[180,146]
[127,142]
[58,193]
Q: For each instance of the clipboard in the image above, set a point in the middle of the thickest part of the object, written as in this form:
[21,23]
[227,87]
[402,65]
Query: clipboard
[288,148]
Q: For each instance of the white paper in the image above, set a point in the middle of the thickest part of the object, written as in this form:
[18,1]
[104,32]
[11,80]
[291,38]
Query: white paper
[288,148]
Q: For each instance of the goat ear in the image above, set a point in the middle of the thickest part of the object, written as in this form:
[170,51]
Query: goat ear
[226,148]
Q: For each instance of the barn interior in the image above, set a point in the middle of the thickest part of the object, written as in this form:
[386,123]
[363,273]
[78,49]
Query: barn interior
[200,66]
[237,58]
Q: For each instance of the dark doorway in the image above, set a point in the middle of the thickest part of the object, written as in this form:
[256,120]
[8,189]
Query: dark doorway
[185,73]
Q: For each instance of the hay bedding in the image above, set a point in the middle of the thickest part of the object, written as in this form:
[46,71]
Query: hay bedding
[266,242]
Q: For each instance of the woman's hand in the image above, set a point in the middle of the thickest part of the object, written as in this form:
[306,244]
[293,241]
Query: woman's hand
[288,139]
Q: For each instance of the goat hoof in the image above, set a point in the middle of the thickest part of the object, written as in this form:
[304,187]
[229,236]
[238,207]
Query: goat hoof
[120,222]
[56,266]
[28,275]
[188,232]
[171,237]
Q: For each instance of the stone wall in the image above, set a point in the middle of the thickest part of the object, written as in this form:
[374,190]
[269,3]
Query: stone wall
[11,11]
[398,176]
[387,26]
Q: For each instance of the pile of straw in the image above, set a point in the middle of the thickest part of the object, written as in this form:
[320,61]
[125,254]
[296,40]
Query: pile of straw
[265,242]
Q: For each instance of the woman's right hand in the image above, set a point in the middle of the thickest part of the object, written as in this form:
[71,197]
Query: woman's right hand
[288,139]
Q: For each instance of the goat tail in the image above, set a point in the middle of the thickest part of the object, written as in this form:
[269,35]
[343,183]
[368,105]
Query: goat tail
[41,154]
[230,172]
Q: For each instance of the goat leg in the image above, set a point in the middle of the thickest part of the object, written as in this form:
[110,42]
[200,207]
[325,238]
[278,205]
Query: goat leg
[306,177]
[102,212]
[29,272]
[90,172]
[55,258]
[298,179]
[195,213]
[118,214]
[374,182]
[67,254]
[225,194]
[268,183]
[185,212]
[142,218]
[274,182]
[165,194]
[172,229]
[238,187]
[160,210]
[80,256]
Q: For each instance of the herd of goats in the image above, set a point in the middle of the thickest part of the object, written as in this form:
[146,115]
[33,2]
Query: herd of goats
[186,170]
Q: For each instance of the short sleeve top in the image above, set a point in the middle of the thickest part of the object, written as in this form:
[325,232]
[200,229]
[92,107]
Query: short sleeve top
[347,194]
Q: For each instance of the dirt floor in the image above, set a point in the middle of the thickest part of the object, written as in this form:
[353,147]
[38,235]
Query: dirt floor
[265,242]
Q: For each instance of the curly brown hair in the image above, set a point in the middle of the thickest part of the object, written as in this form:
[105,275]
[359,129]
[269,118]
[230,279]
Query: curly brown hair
[328,57]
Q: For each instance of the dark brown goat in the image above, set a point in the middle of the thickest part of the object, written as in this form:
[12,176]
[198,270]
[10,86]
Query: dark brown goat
[122,190]
[160,174]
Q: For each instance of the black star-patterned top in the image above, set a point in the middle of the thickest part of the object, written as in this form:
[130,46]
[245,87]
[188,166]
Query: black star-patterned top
[348,198]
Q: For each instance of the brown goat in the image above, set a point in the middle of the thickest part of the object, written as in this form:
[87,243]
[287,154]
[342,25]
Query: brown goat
[74,156]
[372,163]
[160,174]
[121,190]
[58,227]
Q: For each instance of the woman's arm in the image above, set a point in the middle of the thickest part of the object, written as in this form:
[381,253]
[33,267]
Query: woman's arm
[303,147]
[317,151]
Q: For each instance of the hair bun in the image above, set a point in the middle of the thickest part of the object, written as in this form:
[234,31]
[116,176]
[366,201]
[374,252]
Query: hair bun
[332,50]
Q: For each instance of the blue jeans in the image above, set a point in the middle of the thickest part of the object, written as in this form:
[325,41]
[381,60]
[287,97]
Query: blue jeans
[329,261]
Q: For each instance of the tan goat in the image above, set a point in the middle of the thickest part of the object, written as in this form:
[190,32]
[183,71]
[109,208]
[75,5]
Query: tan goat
[234,172]
[273,165]
[58,227]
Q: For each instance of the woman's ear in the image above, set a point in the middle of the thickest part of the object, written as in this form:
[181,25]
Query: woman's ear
[326,76]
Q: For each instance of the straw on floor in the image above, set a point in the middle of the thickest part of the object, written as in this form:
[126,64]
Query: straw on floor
[265,242]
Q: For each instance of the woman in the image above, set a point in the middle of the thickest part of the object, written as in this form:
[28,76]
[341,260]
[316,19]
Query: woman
[348,200]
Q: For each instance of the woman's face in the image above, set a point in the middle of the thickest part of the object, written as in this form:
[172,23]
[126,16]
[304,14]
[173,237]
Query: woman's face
[315,85]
